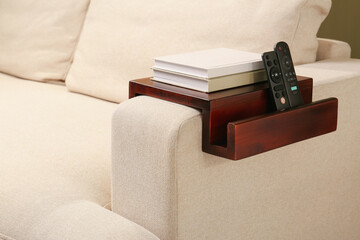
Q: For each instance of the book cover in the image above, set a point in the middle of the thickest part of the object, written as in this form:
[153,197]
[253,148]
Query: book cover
[211,63]
[212,84]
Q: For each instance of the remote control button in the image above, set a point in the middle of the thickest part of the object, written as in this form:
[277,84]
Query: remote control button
[295,92]
[279,87]
[277,95]
[269,63]
[290,74]
[286,61]
[275,62]
[282,100]
[275,75]
[291,79]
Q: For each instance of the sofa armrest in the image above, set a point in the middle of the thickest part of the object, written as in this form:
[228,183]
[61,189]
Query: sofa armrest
[145,136]
[329,48]
[163,181]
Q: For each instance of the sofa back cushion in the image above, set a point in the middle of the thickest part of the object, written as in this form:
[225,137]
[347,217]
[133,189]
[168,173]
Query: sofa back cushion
[120,38]
[38,38]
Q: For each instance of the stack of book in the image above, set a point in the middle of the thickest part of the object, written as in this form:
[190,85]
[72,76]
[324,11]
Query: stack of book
[210,70]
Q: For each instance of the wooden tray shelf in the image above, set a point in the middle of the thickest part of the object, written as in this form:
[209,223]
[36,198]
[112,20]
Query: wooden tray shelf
[241,122]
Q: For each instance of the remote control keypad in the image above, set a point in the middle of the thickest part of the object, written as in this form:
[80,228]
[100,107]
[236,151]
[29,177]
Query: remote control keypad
[276,81]
[287,68]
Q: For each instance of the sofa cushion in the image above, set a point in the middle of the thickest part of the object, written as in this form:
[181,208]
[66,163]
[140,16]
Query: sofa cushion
[55,165]
[120,38]
[86,220]
[38,38]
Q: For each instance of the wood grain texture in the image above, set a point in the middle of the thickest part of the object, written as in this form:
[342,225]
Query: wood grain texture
[230,117]
[263,133]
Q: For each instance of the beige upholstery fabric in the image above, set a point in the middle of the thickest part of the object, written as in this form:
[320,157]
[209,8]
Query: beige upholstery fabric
[149,171]
[330,70]
[121,38]
[38,38]
[55,165]
[329,48]
[85,220]
[346,65]
[307,190]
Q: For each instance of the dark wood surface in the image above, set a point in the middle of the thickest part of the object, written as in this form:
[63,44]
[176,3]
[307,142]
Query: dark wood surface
[230,117]
[263,133]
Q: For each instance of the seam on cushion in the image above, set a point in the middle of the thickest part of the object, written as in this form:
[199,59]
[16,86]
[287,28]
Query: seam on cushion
[298,23]
[71,59]
[107,205]
[5,237]
[176,174]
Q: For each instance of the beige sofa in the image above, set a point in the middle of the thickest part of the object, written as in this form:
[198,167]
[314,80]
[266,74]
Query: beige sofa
[76,164]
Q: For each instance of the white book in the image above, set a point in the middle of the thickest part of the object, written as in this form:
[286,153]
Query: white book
[211,84]
[211,63]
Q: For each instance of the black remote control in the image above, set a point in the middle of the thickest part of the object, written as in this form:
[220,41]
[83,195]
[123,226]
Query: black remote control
[282,51]
[276,81]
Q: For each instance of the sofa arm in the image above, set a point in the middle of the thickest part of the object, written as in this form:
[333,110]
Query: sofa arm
[163,181]
[329,48]
[144,139]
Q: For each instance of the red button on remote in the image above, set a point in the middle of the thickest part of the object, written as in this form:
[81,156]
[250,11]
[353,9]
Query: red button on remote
[282,100]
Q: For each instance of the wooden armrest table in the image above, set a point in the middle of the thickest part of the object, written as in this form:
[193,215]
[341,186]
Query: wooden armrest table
[241,122]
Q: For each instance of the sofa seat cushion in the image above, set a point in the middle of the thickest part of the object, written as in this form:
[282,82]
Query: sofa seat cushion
[55,165]
[121,38]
